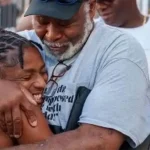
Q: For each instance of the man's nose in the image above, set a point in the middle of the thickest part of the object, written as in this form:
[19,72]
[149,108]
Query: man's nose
[53,33]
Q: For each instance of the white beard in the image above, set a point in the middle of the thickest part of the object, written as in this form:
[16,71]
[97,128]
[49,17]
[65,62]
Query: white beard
[73,49]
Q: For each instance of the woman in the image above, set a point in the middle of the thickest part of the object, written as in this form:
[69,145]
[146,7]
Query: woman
[18,63]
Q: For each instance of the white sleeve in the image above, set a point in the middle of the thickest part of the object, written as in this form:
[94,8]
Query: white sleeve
[119,101]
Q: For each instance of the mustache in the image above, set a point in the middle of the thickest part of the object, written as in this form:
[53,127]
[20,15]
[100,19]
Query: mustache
[56,44]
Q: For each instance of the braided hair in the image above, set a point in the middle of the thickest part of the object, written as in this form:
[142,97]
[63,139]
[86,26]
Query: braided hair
[11,48]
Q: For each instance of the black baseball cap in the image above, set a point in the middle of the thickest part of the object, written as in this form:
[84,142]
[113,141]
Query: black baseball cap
[60,9]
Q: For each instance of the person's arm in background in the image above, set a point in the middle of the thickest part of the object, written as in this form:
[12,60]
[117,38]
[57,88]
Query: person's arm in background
[24,23]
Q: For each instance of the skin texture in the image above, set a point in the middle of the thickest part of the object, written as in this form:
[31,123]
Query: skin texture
[86,137]
[5,140]
[120,13]
[33,77]
[33,135]
[24,23]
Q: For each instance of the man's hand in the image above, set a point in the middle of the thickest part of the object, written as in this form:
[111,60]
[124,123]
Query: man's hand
[12,98]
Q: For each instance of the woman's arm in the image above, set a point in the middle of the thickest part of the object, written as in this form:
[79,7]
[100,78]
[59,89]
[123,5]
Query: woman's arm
[30,134]
[35,134]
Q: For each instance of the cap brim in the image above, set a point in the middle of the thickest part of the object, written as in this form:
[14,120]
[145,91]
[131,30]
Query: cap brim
[52,9]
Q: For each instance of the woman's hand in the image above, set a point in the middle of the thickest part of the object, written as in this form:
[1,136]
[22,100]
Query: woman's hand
[13,99]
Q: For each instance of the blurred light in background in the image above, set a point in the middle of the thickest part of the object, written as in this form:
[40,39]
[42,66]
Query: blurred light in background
[144,6]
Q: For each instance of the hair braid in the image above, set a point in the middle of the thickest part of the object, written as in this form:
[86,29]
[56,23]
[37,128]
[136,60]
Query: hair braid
[11,48]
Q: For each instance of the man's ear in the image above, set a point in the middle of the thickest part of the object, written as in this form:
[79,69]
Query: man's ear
[92,11]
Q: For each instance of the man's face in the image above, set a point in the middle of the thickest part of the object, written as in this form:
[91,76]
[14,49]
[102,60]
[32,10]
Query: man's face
[64,38]
[114,12]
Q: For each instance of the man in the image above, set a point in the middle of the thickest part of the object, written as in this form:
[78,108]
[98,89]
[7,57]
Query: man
[126,15]
[79,53]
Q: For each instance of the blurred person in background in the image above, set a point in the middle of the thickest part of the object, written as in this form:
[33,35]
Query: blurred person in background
[125,15]
[5,2]
[24,23]
[9,12]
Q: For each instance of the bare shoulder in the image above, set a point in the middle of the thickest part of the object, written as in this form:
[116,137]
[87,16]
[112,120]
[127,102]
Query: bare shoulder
[5,140]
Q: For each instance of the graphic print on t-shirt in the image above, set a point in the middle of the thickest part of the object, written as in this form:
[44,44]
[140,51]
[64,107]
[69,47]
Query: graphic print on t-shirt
[57,104]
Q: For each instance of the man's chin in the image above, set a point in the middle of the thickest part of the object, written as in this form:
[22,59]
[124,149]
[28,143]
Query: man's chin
[65,56]
[58,55]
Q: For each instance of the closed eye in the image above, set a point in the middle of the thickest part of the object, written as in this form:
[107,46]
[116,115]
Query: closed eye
[44,71]
[26,78]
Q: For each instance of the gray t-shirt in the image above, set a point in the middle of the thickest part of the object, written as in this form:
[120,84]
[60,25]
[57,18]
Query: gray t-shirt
[113,65]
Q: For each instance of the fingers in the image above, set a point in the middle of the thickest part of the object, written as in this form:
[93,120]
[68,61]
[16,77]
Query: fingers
[10,102]
[26,106]
[9,122]
[17,122]
[29,113]
[12,99]
[2,122]
[28,95]
[39,101]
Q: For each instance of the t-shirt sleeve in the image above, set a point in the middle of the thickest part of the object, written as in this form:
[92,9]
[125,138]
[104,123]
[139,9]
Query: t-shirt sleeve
[119,100]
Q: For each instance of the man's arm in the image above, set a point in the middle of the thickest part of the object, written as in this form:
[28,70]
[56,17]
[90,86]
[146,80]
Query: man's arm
[86,137]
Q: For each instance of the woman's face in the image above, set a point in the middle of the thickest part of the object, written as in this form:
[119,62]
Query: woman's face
[33,76]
